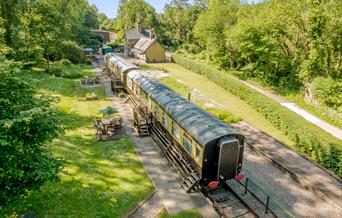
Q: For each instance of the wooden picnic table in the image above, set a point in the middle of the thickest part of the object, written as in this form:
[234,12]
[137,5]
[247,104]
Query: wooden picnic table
[107,126]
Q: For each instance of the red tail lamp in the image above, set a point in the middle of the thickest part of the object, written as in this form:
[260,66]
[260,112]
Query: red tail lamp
[213,184]
[239,177]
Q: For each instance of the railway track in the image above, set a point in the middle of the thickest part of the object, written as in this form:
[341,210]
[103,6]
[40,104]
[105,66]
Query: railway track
[229,204]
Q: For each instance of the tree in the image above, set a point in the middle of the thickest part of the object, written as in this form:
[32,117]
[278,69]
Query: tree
[27,124]
[177,22]
[210,28]
[10,13]
[131,12]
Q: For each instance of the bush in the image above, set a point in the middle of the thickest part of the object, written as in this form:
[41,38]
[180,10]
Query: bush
[224,115]
[72,51]
[72,75]
[328,92]
[65,62]
[305,135]
[54,70]
[117,46]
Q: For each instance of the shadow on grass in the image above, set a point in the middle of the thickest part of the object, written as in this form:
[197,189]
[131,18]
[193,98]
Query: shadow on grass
[100,179]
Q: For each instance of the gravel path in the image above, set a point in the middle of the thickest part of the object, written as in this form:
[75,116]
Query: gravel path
[302,202]
[303,168]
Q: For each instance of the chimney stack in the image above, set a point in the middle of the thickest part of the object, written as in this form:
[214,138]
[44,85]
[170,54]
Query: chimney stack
[152,34]
[138,26]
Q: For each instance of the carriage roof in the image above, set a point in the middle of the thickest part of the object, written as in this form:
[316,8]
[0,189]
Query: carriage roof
[202,126]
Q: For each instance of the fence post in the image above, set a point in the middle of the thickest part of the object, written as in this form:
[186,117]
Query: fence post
[189,96]
[246,185]
[267,202]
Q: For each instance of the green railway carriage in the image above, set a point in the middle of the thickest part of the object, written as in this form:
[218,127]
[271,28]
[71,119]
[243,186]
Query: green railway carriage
[118,66]
[213,147]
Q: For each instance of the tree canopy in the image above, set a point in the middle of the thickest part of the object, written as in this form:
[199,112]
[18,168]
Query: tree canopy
[27,125]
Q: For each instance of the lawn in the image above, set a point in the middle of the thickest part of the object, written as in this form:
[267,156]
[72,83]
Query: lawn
[183,214]
[214,92]
[100,179]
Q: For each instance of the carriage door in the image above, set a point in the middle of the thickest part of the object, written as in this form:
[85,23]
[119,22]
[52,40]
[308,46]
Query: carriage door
[228,158]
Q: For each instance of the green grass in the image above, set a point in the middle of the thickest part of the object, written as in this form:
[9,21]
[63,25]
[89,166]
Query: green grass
[183,214]
[233,104]
[100,179]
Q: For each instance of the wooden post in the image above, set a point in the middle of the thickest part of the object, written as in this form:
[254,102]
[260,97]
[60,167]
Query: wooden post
[267,203]
[246,186]
[189,96]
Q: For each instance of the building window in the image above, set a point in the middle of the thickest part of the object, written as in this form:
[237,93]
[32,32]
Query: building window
[175,130]
[187,143]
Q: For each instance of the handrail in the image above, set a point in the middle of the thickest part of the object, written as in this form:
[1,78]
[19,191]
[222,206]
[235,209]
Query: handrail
[272,202]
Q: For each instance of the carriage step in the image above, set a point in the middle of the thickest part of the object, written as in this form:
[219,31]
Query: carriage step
[190,184]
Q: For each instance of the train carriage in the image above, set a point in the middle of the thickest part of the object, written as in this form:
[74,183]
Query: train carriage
[212,146]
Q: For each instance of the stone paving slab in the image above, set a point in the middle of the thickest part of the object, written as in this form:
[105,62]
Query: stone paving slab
[150,208]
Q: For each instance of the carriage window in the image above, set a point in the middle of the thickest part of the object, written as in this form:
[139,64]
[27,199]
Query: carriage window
[187,143]
[175,130]
[129,83]
[198,153]
[136,90]
[157,113]
[165,120]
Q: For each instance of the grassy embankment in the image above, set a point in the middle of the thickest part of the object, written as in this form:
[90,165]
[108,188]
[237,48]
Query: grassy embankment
[183,214]
[100,179]
[298,98]
[214,92]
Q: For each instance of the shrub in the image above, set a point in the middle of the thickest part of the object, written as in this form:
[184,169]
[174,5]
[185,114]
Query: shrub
[328,92]
[224,115]
[54,70]
[65,62]
[305,135]
[72,75]
[72,51]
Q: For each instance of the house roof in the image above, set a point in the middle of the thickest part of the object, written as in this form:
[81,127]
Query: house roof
[133,34]
[143,44]
[136,34]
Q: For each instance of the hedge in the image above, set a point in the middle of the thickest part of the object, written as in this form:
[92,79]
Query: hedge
[323,150]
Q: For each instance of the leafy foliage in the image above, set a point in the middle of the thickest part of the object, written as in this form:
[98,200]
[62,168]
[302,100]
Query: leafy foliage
[282,44]
[177,23]
[35,30]
[27,124]
[317,146]
[328,92]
